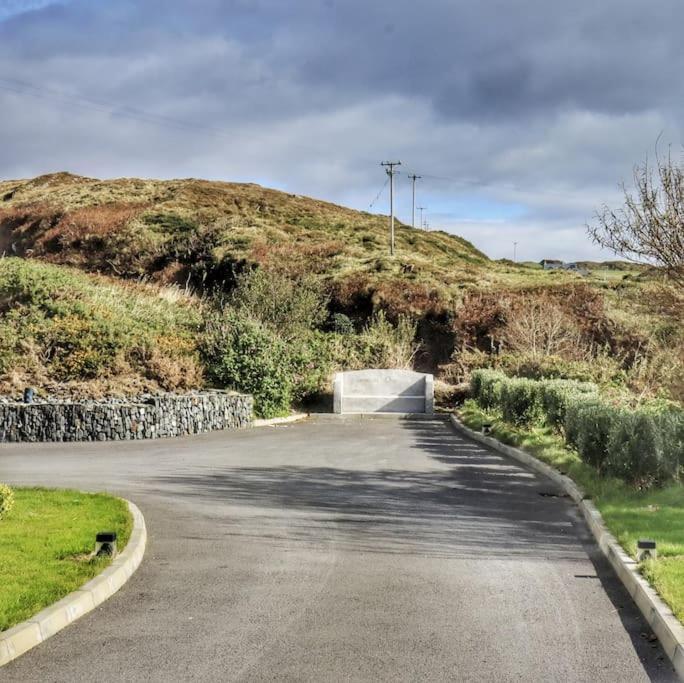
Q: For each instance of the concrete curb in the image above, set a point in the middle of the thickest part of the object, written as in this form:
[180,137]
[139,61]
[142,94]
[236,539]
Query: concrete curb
[659,616]
[295,417]
[22,637]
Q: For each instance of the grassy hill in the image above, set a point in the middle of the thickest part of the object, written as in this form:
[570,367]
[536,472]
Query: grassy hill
[192,240]
[203,233]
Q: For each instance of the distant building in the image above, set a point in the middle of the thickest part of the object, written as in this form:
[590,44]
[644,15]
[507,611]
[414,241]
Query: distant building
[555,264]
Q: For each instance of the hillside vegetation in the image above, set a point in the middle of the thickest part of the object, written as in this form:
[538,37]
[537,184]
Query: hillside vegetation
[203,234]
[123,285]
[69,333]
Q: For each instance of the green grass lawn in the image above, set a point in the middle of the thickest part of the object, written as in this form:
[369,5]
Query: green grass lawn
[43,541]
[629,514]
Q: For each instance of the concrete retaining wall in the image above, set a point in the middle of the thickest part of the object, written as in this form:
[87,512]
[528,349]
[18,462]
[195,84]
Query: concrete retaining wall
[383,391]
[144,418]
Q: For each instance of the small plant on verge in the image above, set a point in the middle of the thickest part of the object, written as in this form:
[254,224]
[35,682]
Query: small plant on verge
[6,499]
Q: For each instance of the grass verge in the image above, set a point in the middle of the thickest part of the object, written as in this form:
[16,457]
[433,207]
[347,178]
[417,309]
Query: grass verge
[629,514]
[44,546]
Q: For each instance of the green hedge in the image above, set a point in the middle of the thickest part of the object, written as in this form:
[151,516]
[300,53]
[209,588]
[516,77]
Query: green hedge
[556,395]
[588,425]
[485,386]
[520,401]
[642,445]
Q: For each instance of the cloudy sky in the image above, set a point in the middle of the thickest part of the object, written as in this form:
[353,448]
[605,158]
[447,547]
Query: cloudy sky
[522,116]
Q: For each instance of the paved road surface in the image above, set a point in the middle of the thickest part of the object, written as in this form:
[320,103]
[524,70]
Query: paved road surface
[356,550]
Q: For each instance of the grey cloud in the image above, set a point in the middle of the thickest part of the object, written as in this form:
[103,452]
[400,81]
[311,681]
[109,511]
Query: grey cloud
[533,103]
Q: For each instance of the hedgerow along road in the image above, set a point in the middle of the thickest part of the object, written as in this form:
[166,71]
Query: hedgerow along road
[356,549]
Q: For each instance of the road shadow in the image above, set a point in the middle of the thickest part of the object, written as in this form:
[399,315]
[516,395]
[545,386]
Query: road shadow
[656,664]
[472,505]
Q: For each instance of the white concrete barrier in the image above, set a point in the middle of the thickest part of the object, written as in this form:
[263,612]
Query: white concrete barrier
[383,391]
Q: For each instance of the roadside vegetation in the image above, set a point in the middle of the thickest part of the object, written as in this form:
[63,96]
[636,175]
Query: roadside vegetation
[627,455]
[274,338]
[66,332]
[46,538]
[125,286]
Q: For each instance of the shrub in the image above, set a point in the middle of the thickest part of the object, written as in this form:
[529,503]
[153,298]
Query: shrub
[310,362]
[243,354]
[267,342]
[83,347]
[670,425]
[539,327]
[60,325]
[600,369]
[635,449]
[588,425]
[290,307]
[642,444]
[341,324]
[387,345]
[520,403]
[6,499]
[486,387]
[556,395]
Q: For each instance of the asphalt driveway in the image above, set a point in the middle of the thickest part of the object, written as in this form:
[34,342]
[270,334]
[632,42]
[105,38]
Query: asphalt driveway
[340,549]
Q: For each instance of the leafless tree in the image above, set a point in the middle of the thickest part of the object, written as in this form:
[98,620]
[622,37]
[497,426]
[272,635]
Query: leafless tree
[538,328]
[650,225]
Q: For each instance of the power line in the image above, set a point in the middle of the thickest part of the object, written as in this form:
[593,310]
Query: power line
[76,100]
[104,106]
[494,185]
[377,196]
[389,169]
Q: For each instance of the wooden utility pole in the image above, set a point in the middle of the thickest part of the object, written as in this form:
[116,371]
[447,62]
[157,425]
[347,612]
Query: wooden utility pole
[391,172]
[421,209]
[414,177]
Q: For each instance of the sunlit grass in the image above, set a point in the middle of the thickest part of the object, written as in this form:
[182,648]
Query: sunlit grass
[44,543]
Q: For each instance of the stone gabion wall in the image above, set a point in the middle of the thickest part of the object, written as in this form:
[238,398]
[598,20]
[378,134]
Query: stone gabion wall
[146,417]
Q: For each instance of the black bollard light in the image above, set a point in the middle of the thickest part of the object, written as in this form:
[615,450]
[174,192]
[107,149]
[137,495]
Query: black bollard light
[29,394]
[646,550]
[105,543]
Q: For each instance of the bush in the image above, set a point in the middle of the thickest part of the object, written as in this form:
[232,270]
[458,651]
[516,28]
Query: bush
[6,500]
[310,362]
[556,395]
[588,425]
[643,445]
[341,324]
[243,354]
[290,307]
[61,325]
[520,403]
[600,369]
[670,425]
[381,344]
[635,449]
[486,388]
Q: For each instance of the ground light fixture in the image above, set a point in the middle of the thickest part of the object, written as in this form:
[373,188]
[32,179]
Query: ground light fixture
[646,550]
[105,543]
